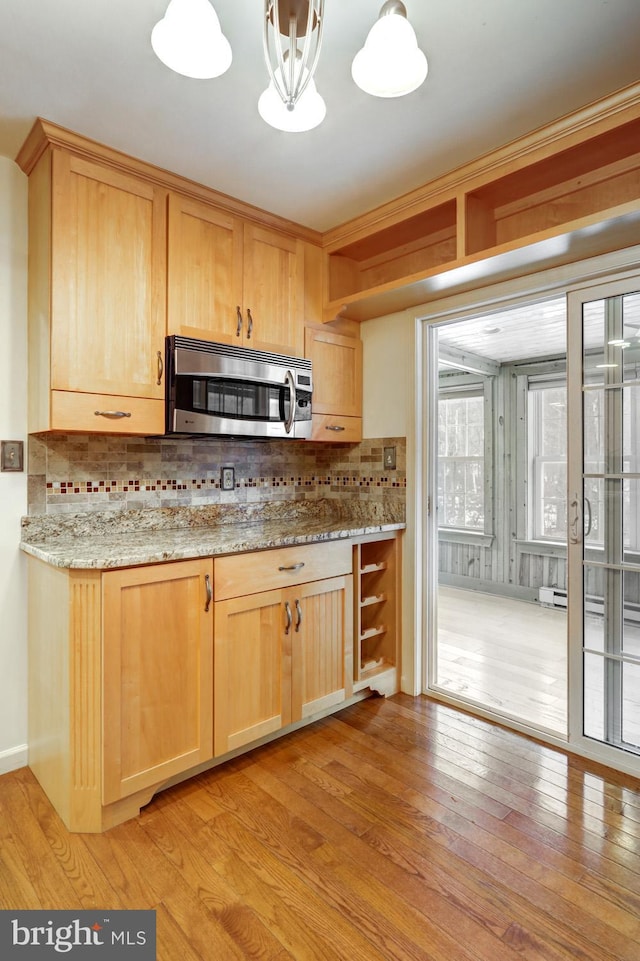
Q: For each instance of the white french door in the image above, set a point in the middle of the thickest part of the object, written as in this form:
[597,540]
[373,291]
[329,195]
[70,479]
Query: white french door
[603,374]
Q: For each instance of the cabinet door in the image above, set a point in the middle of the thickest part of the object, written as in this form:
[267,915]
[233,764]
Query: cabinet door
[158,682]
[322,645]
[108,266]
[204,272]
[274,290]
[337,385]
[252,669]
[337,372]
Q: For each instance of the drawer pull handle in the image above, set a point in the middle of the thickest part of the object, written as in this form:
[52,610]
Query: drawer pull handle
[299,615]
[336,427]
[239,316]
[287,610]
[112,413]
[160,369]
[293,567]
[207,584]
[250,323]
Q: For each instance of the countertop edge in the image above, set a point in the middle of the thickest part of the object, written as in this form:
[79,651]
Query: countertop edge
[87,557]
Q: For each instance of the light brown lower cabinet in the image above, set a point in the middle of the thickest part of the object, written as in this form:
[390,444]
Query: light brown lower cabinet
[280,656]
[120,684]
[141,675]
[157,674]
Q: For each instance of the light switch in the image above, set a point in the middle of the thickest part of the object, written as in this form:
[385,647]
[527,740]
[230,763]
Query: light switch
[11,455]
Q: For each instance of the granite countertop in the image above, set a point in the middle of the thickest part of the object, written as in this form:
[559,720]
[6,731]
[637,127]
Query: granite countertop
[111,539]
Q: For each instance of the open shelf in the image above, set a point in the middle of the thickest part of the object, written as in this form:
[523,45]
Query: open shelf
[373,599]
[595,176]
[377,587]
[372,568]
[421,243]
[566,191]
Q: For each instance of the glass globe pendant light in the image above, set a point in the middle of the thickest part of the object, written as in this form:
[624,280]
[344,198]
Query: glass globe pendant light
[390,64]
[291,102]
[190,41]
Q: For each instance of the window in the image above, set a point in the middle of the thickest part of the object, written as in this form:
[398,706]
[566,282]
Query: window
[548,460]
[461,459]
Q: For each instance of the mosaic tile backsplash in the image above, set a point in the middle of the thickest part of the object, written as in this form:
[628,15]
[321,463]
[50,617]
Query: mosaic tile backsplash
[77,472]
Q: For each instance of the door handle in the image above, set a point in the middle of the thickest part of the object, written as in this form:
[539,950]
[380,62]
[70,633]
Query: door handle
[576,528]
[287,610]
[249,323]
[160,369]
[298,615]
[290,382]
[587,504]
[239,324]
[209,589]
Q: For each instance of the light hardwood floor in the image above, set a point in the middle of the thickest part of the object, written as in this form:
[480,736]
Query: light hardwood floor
[397,829]
[506,654]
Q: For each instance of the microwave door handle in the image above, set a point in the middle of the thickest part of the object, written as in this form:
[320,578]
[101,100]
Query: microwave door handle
[289,381]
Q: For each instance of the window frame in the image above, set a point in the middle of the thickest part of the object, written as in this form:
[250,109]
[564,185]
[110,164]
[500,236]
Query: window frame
[459,385]
[536,461]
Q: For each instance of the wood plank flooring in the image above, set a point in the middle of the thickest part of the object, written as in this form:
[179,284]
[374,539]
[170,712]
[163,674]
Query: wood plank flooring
[396,829]
[508,655]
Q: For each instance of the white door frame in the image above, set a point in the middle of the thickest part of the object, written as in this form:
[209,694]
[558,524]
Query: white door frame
[620,265]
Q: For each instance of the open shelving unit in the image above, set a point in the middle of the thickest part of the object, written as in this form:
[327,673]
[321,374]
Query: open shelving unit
[576,179]
[376,566]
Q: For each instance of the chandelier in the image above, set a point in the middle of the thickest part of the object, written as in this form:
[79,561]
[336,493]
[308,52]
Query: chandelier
[189,40]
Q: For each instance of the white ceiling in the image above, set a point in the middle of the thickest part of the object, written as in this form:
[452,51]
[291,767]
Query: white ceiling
[535,330]
[497,69]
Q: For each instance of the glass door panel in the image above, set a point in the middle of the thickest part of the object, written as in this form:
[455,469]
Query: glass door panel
[604,516]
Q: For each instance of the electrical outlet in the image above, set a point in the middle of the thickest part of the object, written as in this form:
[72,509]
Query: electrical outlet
[227,478]
[12,455]
[389,458]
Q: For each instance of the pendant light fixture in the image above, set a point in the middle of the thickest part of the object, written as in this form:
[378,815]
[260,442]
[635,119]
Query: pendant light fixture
[390,64]
[292,37]
[189,40]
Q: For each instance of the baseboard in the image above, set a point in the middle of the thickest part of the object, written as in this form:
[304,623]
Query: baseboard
[13,758]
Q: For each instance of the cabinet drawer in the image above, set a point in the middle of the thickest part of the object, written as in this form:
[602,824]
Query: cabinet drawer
[335,427]
[241,574]
[77,411]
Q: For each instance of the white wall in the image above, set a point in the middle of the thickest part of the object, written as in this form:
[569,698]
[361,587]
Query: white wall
[389,406]
[13,486]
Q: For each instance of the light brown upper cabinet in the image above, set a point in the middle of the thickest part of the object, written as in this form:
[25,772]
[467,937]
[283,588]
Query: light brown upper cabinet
[232,281]
[96,298]
[337,384]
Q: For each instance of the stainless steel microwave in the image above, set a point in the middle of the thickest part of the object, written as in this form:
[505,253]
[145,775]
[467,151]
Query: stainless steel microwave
[236,392]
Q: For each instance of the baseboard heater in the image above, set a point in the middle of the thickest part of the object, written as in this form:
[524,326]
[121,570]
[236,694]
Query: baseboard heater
[556,597]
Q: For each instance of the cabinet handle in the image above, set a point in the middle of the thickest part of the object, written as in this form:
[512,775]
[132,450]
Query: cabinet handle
[239,325]
[287,610]
[299,615]
[160,369]
[293,567]
[112,413]
[336,427]
[207,584]
[250,325]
